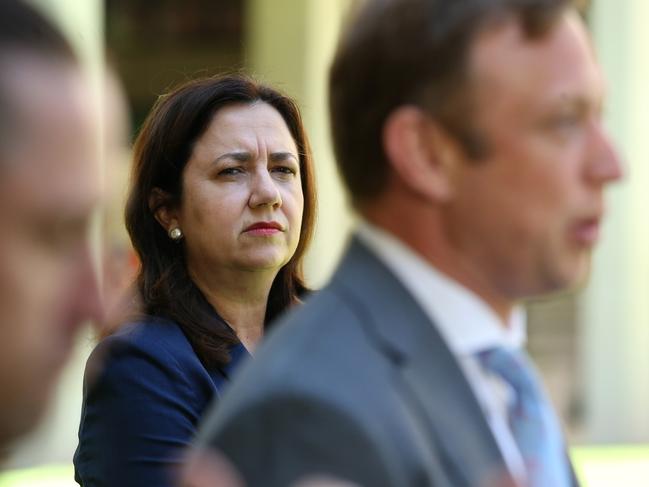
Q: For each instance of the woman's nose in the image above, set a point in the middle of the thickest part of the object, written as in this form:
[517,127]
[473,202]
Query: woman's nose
[264,190]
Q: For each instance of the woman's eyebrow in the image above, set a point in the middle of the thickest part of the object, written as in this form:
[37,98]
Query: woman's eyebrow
[245,156]
[283,156]
[239,156]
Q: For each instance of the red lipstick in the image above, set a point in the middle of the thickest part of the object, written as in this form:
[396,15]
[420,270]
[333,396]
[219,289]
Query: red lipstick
[264,229]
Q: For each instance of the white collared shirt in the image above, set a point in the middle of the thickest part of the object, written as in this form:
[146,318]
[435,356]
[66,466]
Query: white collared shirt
[465,322]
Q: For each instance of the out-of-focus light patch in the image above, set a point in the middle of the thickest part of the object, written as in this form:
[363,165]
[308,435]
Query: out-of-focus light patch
[596,466]
[611,465]
[43,476]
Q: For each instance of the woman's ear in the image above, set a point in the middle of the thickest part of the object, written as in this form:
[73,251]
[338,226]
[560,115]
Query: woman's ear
[421,153]
[164,212]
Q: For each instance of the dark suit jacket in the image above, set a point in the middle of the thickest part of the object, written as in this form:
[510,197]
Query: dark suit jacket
[144,393]
[358,384]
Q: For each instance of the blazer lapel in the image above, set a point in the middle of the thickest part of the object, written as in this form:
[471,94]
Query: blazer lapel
[432,380]
[455,418]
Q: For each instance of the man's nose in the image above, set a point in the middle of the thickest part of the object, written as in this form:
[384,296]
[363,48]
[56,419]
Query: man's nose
[605,162]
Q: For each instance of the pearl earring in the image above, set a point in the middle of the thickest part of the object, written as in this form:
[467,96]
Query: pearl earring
[175,234]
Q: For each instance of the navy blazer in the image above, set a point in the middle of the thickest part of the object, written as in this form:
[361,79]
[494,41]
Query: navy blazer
[144,392]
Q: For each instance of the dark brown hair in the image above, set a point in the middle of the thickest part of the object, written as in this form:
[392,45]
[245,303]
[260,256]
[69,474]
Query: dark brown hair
[161,151]
[398,52]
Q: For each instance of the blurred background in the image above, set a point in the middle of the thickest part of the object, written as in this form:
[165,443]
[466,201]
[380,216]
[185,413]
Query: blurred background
[592,346]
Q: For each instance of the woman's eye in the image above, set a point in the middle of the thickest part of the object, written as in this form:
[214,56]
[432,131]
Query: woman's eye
[284,170]
[230,171]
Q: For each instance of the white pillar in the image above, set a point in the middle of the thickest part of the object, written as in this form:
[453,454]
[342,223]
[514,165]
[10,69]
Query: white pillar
[615,307]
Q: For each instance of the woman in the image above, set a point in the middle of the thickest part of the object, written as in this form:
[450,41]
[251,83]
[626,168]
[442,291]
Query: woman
[220,212]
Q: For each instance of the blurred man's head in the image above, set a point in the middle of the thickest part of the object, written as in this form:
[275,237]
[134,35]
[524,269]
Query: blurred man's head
[472,130]
[48,189]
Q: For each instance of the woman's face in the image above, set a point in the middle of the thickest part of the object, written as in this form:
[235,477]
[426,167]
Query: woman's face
[242,200]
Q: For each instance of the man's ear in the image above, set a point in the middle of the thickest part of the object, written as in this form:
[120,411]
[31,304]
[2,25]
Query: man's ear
[164,212]
[421,152]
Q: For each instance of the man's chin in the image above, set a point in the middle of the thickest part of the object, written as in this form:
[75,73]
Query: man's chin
[578,277]
[568,280]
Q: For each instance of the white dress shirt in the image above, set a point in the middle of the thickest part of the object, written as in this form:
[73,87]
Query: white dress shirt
[466,323]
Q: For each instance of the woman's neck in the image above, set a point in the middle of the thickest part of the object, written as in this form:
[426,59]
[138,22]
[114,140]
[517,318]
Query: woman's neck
[241,299]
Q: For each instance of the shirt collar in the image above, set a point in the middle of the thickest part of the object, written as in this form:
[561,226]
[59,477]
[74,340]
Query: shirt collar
[464,320]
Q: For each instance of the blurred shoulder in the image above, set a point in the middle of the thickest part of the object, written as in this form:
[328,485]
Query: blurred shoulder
[150,334]
[151,345]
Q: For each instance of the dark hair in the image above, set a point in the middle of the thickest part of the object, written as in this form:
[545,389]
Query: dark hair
[161,152]
[400,52]
[23,30]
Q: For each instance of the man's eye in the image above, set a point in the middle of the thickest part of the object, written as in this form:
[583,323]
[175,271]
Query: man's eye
[59,236]
[566,121]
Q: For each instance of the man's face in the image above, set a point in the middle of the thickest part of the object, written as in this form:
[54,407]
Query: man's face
[527,215]
[48,189]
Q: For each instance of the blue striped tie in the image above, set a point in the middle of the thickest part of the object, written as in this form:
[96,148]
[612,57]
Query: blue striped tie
[531,419]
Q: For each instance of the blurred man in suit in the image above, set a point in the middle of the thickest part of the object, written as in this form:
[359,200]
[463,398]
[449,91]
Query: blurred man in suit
[469,136]
[49,187]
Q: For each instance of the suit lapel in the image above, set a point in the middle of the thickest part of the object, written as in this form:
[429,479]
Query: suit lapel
[451,410]
[432,380]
